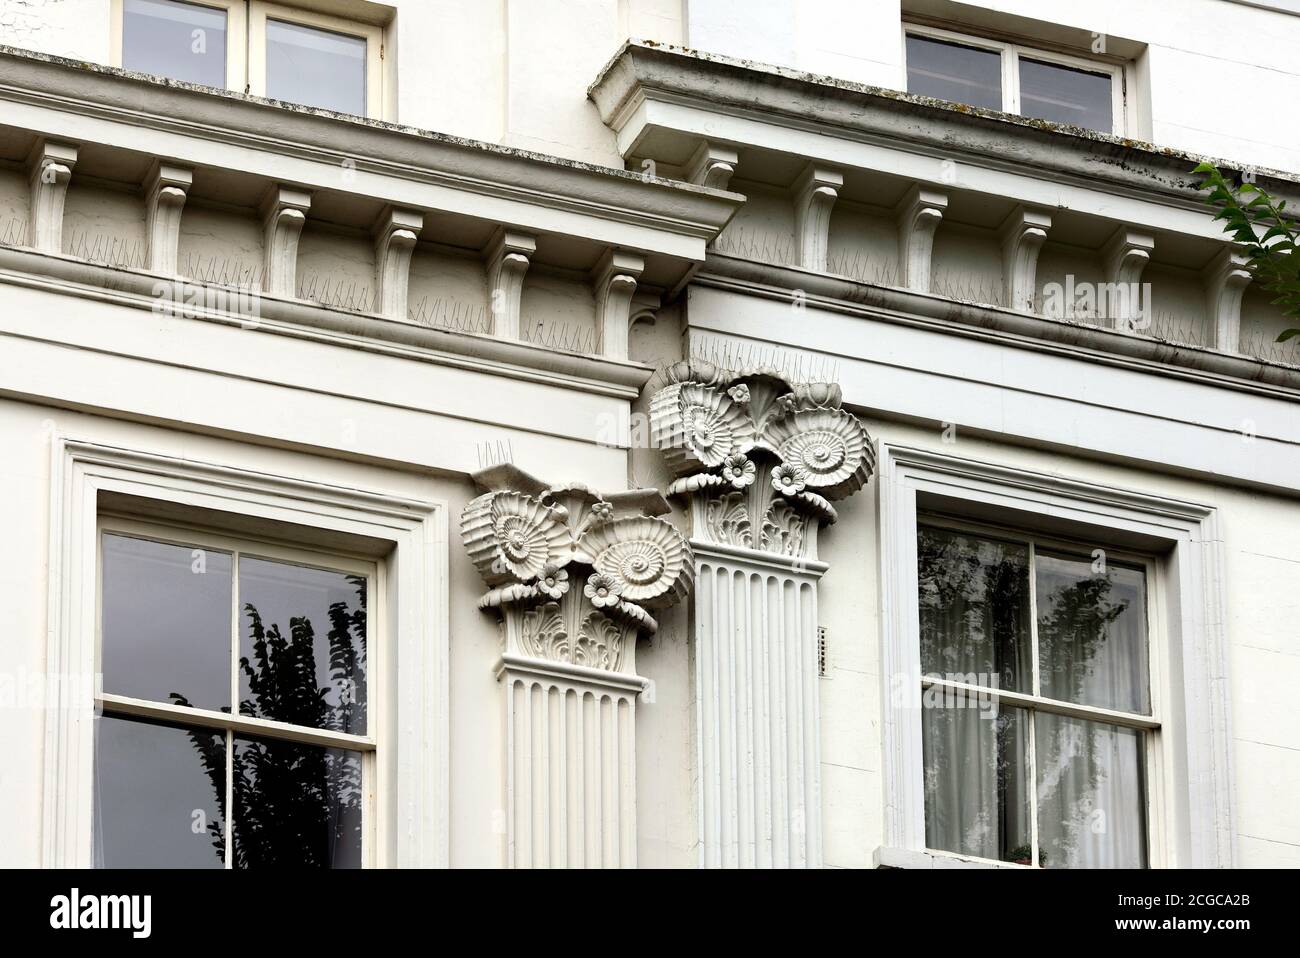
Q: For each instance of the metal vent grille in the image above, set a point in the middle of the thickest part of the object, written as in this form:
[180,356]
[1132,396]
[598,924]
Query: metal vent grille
[821,651]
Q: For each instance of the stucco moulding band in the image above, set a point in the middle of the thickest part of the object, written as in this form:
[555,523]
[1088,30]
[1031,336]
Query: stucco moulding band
[1024,330]
[139,289]
[668,220]
[642,71]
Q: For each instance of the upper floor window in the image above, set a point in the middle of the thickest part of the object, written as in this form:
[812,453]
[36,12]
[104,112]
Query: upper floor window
[235,726]
[1003,76]
[281,52]
[1037,721]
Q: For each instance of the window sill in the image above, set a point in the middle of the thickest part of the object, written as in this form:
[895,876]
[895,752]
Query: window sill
[884,857]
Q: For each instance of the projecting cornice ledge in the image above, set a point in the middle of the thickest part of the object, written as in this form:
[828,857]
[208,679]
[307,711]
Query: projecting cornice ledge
[394,163]
[644,74]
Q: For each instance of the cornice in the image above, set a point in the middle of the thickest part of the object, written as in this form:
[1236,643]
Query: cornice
[1021,330]
[139,289]
[211,114]
[643,70]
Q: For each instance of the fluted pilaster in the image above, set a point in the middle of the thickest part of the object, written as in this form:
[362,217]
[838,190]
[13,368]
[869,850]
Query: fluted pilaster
[758,460]
[573,577]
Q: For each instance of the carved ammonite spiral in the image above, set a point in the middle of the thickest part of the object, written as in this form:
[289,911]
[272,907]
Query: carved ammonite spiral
[647,557]
[523,543]
[713,424]
[509,535]
[638,563]
[829,446]
[818,451]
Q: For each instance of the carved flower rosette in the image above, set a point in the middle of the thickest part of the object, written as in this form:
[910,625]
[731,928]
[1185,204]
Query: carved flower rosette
[572,577]
[759,458]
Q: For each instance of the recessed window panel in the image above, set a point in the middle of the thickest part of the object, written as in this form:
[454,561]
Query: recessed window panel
[1092,646]
[302,645]
[315,67]
[1066,95]
[975,612]
[995,765]
[183,41]
[976,778]
[1091,802]
[166,622]
[296,806]
[159,795]
[951,71]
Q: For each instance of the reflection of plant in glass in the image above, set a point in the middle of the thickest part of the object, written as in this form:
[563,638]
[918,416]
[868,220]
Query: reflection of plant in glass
[984,584]
[974,617]
[974,610]
[1073,626]
[295,803]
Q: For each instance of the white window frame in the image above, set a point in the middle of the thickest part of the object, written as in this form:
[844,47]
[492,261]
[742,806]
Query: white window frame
[1034,703]
[369,746]
[410,682]
[246,44]
[236,37]
[1191,815]
[260,12]
[1011,54]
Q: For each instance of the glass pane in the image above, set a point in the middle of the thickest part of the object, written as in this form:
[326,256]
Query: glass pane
[302,645]
[296,806]
[1092,641]
[1066,95]
[974,598]
[184,41]
[159,795]
[1091,794]
[976,779]
[949,71]
[315,67]
[166,622]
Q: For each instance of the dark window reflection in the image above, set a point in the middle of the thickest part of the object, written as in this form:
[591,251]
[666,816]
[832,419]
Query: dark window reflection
[166,622]
[1092,643]
[950,71]
[976,779]
[160,790]
[1066,95]
[183,41]
[315,67]
[1091,787]
[296,806]
[302,645]
[159,795]
[975,618]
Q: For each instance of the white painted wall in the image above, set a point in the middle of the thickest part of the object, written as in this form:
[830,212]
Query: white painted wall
[1206,66]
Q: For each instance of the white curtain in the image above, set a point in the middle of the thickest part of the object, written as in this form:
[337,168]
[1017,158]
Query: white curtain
[1092,650]
[974,609]
[975,629]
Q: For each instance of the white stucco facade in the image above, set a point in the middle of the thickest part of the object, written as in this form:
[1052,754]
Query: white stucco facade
[385,336]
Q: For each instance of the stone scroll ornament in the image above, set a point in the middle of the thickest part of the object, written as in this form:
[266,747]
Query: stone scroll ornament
[759,458]
[575,575]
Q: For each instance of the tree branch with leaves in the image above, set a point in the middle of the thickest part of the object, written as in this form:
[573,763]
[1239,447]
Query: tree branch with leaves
[1266,234]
